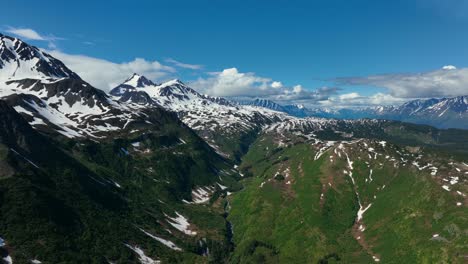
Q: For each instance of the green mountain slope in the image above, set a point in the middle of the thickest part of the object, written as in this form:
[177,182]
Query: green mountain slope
[301,205]
[85,201]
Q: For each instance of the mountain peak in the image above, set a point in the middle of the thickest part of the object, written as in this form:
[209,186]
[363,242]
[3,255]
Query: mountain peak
[138,81]
[19,60]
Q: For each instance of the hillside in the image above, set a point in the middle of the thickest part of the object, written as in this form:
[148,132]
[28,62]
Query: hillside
[142,191]
[349,201]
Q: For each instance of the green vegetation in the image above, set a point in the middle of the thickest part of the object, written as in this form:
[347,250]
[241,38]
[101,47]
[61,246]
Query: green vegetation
[289,218]
[70,201]
[309,221]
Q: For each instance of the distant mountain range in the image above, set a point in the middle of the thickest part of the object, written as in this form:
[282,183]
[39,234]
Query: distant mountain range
[440,113]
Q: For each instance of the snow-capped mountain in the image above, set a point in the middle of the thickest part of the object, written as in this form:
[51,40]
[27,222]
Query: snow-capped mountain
[55,99]
[19,60]
[435,107]
[171,94]
[296,110]
[266,104]
[437,112]
[209,116]
[441,113]
[293,110]
[194,108]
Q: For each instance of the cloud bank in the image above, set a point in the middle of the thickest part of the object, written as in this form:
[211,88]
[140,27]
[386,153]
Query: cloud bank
[232,83]
[446,82]
[353,100]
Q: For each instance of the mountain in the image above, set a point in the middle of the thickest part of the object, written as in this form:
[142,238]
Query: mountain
[293,110]
[55,99]
[226,126]
[266,104]
[438,112]
[296,110]
[18,60]
[442,113]
[173,94]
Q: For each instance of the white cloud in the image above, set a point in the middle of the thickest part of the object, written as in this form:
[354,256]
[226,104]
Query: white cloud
[232,83]
[349,96]
[26,33]
[31,34]
[300,95]
[184,65]
[105,75]
[276,84]
[297,89]
[448,81]
[449,67]
[353,100]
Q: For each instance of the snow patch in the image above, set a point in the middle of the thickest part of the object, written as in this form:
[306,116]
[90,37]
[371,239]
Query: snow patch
[8,260]
[362,211]
[202,194]
[142,256]
[453,180]
[165,242]
[370,175]
[324,149]
[221,186]
[180,223]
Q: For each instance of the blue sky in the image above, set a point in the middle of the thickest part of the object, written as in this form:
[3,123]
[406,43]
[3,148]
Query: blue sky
[359,48]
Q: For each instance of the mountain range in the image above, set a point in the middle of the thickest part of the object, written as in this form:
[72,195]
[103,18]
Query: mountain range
[160,173]
[437,112]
